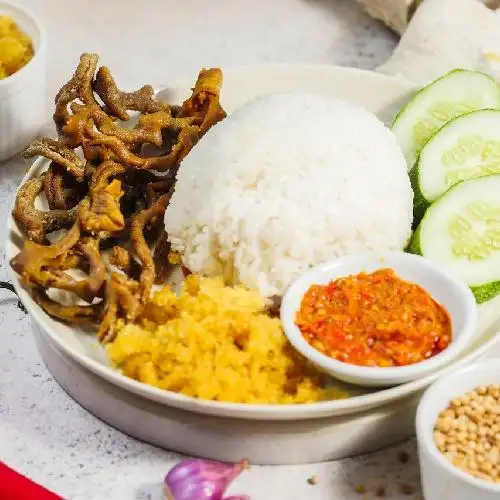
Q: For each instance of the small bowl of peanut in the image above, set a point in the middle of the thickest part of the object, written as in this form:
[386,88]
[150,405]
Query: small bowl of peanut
[458,433]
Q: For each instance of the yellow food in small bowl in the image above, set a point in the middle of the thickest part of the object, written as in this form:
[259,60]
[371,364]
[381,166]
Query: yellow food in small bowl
[217,343]
[16,48]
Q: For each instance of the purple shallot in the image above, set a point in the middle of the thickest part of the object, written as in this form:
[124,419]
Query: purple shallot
[199,479]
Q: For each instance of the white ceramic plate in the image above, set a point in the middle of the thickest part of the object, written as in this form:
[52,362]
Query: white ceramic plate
[378,93]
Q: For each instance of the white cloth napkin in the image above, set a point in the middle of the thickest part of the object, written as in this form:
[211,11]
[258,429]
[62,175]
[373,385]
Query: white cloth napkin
[444,35]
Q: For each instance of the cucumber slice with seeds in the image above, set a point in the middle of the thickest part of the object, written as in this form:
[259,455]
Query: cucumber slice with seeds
[461,231]
[455,94]
[465,148]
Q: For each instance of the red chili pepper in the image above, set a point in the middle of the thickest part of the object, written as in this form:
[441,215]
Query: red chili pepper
[14,486]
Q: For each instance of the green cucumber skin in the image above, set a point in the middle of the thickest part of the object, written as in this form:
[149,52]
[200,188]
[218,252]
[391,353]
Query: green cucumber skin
[482,293]
[426,88]
[420,204]
[487,292]
[423,89]
[414,244]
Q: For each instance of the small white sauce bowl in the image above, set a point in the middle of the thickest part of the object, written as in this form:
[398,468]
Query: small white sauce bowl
[23,94]
[440,478]
[445,288]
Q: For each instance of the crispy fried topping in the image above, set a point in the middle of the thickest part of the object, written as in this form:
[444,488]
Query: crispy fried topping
[79,87]
[38,223]
[156,211]
[125,262]
[77,315]
[118,103]
[58,153]
[104,189]
[161,260]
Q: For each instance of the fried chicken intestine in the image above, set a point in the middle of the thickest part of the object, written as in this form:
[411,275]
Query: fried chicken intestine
[105,192]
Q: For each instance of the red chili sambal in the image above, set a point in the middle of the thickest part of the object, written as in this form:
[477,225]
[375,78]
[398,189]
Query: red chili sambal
[374,319]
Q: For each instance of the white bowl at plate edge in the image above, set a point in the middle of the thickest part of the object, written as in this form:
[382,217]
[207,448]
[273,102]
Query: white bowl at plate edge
[449,291]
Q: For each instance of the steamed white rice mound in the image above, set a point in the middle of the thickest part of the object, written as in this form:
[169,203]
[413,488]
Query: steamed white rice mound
[284,183]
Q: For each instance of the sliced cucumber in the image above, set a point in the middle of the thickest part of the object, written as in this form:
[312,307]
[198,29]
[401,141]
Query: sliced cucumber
[461,231]
[465,148]
[454,94]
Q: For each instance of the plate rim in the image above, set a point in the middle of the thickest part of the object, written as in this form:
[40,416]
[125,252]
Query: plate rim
[322,409]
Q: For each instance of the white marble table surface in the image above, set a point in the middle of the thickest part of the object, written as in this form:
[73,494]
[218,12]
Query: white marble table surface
[43,433]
